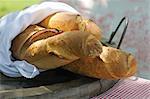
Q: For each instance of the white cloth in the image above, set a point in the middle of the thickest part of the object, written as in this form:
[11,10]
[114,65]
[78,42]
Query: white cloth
[13,24]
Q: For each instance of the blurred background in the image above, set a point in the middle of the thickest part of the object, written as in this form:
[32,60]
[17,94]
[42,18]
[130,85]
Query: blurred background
[107,14]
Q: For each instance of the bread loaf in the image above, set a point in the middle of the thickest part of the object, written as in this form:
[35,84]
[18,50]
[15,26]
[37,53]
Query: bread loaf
[67,21]
[110,64]
[21,40]
[71,41]
[48,48]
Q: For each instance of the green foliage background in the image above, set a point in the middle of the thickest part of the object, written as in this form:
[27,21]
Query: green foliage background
[7,6]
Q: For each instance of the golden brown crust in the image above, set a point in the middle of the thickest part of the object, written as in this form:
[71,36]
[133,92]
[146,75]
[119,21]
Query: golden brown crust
[111,64]
[20,40]
[67,21]
[72,41]
[45,22]
[46,49]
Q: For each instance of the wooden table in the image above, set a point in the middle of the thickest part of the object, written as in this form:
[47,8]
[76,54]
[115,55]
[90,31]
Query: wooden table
[53,84]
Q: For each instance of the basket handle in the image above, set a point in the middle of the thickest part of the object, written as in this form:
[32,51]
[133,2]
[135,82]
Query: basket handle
[123,33]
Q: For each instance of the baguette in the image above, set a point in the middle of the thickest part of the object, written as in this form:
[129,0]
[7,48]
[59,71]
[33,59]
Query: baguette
[48,49]
[71,41]
[110,64]
[19,41]
[67,21]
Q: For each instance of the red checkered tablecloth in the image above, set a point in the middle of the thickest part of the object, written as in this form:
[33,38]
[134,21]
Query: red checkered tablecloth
[131,88]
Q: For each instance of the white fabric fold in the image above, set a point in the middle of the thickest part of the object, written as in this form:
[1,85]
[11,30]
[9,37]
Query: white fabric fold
[13,24]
